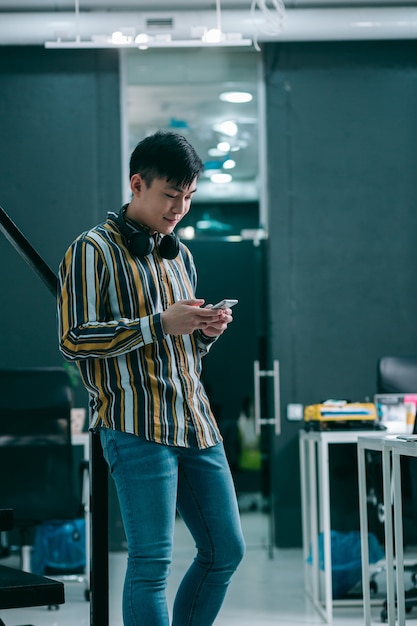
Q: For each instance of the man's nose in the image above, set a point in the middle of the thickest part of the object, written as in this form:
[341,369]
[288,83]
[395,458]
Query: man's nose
[180,205]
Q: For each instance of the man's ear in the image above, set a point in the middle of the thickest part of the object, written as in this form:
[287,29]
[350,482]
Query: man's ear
[136,183]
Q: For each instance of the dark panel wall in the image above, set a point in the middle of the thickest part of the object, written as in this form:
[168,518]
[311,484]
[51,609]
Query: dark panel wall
[235,268]
[342,130]
[342,149]
[59,174]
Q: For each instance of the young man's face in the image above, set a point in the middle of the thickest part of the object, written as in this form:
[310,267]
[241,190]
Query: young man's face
[161,206]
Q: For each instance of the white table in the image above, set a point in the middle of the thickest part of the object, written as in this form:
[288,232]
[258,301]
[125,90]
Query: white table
[83,439]
[377,444]
[397,448]
[391,449]
[315,501]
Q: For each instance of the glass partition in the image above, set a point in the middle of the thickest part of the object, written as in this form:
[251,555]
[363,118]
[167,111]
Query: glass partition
[212,97]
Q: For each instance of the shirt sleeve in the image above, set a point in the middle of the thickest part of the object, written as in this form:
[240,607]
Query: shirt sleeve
[204,342]
[87,329]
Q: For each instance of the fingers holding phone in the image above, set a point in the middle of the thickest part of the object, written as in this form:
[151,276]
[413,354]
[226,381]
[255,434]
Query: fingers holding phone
[218,327]
[225,304]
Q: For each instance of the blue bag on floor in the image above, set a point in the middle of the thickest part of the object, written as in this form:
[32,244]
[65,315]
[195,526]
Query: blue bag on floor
[347,559]
[59,548]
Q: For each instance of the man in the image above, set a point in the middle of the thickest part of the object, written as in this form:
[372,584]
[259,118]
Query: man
[129,316]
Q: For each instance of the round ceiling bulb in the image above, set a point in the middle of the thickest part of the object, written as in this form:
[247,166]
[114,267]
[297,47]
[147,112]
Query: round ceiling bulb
[223,146]
[214,35]
[119,38]
[142,39]
[228,128]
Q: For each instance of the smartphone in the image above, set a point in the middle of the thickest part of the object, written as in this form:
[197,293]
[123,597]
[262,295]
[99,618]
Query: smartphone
[407,438]
[225,304]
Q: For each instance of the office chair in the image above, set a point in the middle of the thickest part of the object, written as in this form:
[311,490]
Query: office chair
[36,455]
[398,374]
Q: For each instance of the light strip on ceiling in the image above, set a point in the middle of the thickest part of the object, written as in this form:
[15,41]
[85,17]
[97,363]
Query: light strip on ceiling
[173,43]
[220,39]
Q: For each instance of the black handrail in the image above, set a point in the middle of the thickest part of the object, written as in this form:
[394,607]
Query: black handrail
[99,541]
[27,252]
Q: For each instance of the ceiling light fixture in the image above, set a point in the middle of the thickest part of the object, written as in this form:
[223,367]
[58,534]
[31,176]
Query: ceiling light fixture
[228,128]
[221,178]
[214,152]
[223,147]
[215,35]
[237,97]
[119,38]
[125,38]
[188,232]
[142,41]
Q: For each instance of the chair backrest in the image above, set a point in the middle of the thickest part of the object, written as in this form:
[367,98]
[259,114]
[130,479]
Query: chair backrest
[397,374]
[36,461]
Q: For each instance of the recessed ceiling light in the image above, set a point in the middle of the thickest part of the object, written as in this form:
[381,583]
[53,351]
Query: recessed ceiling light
[227,127]
[236,96]
[229,164]
[221,178]
[215,152]
[223,147]
[187,232]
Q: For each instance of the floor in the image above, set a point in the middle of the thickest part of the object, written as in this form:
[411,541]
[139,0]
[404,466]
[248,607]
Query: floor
[267,589]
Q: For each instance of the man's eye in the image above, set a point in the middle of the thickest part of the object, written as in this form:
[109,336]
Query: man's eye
[170,196]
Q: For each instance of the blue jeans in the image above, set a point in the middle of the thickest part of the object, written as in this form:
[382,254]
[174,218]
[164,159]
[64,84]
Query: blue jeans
[152,480]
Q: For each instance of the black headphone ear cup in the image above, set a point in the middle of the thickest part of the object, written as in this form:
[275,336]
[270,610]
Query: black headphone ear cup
[140,244]
[169,246]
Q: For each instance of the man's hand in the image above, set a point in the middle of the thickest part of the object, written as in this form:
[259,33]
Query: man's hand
[186,316]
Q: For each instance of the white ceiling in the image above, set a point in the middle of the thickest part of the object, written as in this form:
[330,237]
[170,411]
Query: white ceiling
[120,5]
[177,5]
[34,21]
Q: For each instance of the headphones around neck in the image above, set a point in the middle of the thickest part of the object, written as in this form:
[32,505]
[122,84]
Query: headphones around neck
[140,242]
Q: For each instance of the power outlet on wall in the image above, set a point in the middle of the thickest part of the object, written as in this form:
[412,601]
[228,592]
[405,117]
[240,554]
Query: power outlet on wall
[295,412]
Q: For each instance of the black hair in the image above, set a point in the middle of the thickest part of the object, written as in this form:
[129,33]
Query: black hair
[167,155]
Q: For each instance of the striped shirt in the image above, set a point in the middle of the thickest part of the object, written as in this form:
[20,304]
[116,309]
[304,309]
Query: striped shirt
[139,379]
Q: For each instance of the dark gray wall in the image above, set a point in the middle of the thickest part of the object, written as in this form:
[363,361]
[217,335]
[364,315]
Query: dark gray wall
[59,174]
[342,146]
[342,187]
